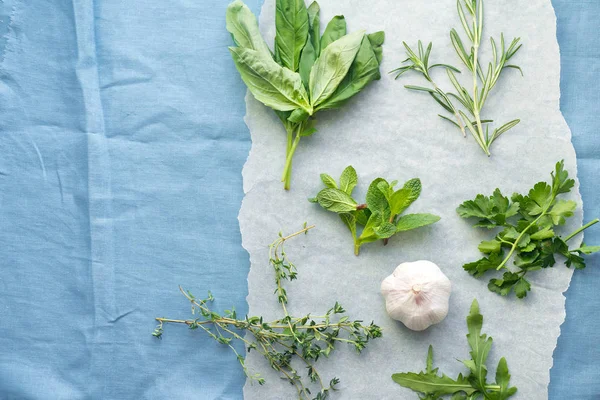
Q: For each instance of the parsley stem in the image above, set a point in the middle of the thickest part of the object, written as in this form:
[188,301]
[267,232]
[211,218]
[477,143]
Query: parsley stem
[516,243]
[594,222]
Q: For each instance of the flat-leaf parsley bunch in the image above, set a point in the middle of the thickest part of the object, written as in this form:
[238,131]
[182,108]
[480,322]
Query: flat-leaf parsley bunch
[307,72]
[288,341]
[528,225]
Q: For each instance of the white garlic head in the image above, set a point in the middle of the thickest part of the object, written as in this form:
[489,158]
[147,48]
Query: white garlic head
[417,294]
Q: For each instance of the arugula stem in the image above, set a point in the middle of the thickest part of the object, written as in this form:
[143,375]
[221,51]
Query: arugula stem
[591,223]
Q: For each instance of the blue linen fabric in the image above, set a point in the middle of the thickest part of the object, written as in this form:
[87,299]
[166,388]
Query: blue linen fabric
[120,178]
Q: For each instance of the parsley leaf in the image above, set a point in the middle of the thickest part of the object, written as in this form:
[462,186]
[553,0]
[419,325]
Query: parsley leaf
[528,225]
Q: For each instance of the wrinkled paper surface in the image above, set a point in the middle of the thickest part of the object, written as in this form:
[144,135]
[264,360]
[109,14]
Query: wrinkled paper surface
[390,132]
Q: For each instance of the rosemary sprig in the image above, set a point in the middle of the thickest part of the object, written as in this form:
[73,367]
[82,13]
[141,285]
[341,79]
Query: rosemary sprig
[286,341]
[472,100]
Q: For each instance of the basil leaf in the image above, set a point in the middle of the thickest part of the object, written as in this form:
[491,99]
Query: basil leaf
[332,66]
[242,25]
[364,70]
[314,24]
[377,40]
[291,27]
[336,28]
[335,200]
[307,60]
[271,84]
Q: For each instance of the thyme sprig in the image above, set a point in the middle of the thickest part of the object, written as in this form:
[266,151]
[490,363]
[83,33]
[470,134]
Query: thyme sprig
[285,343]
[471,99]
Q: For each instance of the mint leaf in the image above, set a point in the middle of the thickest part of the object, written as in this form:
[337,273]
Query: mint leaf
[329,181]
[376,199]
[348,180]
[335,200]
[413,221]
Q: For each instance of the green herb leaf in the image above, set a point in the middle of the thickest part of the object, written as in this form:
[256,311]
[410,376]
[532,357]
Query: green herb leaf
[271,84]
[335,29]
[329,181]
[242,25]
[376,217]
[291,31]
[473,386]
[348,180]
[336,200]
[332,66]
[489,247]
[314,24]
[528,223]
[376,199]
[413,221]
[364,70]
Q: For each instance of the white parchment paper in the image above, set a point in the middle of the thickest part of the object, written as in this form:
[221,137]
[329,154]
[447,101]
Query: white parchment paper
[391,132]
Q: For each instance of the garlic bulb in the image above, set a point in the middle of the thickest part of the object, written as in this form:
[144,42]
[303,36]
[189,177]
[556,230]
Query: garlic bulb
[417,294]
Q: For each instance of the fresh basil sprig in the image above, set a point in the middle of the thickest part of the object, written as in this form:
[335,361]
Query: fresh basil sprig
[472,386]
[307,72]
[381,215]
[528,223]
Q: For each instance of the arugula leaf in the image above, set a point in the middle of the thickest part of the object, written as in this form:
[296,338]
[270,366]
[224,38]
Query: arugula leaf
[332,66]
[271,84]
[378,219]
[335,29]
[472,386]
[529,223]
[335,200]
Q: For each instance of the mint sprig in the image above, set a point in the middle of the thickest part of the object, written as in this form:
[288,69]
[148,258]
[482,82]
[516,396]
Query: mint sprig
[381,215]
[528,224]
[472,386]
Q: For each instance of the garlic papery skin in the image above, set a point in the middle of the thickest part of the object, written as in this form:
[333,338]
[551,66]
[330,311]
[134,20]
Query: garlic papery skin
[417,294]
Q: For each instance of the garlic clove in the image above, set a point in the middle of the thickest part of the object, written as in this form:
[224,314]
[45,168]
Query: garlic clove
[417,294]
